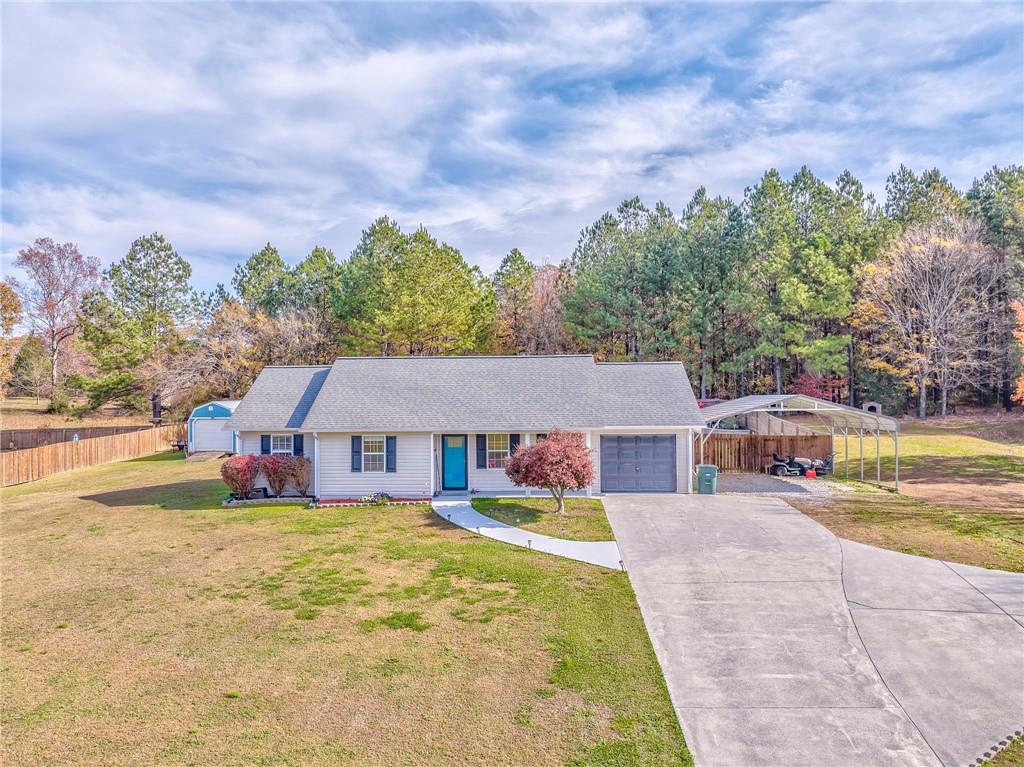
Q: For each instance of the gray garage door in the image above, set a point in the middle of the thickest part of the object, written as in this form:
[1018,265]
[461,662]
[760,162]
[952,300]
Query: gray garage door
[642,463]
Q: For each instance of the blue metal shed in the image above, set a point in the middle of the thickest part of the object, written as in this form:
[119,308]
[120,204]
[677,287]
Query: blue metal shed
[207,427]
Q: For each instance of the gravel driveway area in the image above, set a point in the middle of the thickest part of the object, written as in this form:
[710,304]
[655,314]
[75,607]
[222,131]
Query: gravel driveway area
[766,484]
[783,645]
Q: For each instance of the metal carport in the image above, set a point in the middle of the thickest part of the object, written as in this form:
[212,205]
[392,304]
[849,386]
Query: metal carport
[832,418]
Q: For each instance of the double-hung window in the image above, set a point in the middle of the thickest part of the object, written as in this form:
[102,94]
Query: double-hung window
[497,451]
[373,453]
[281,444]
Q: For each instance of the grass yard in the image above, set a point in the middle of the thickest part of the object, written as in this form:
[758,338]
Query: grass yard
[584,518]
[1011,756]
[144,624]
[962,494]
[28,413]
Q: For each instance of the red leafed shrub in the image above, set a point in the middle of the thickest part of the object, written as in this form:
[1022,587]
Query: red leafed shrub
[239,474]
[300,472]
[277,470]
[558,463]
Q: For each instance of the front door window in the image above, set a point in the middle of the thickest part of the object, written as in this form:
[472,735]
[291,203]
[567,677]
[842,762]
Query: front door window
[454,461]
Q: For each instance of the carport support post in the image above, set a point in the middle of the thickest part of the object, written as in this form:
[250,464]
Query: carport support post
[896,443]
[861,432]
[846,450]
[878,456]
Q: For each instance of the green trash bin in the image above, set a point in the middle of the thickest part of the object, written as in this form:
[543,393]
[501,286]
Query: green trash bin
[707,479]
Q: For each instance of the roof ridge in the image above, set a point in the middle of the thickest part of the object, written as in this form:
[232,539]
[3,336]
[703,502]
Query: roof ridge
[467,357]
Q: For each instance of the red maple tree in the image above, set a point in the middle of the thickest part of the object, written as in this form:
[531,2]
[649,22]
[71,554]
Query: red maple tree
[558,463]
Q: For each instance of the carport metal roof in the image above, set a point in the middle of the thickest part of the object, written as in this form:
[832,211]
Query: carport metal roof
[833,418]
[837,414]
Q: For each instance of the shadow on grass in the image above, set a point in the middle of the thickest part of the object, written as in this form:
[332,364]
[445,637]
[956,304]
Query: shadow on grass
[162,457]
[194,494]
[509,511]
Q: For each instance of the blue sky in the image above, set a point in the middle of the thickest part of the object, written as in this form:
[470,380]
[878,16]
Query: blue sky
[227,126]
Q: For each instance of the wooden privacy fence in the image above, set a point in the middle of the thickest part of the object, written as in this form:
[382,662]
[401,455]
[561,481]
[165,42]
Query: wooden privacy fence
[22,439]
[751,452]
[37,462]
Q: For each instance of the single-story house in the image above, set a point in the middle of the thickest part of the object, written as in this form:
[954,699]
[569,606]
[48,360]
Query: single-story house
[208,427]
[415,427]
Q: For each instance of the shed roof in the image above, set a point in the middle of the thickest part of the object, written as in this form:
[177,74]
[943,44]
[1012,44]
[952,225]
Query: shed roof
[280,398]
[841,415]
[227,404]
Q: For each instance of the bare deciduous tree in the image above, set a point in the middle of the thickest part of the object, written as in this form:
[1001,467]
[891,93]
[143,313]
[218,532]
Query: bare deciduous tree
[545,322]
[927,296]
[59,275]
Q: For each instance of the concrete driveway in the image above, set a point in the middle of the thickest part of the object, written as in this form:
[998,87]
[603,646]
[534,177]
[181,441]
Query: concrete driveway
[783,645]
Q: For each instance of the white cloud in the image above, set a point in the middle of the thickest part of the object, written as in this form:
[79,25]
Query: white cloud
[227,126]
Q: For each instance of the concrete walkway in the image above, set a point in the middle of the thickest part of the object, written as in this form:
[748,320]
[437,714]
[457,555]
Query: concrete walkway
[783,645]
[460,512]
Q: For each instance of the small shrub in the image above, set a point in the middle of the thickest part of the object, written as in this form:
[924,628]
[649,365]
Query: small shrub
[300,473]
[277,470]
[60,402]
[239,473]
[379,498]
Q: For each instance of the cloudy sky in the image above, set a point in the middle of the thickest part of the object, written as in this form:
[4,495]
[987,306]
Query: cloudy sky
[227,126]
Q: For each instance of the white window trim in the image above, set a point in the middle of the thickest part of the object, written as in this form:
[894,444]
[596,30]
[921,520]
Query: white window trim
[506,453]
[291,444]
[382,453]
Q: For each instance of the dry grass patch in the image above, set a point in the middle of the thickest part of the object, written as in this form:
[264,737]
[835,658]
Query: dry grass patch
[145,624]
[961,483]
[29,413]
[584,518]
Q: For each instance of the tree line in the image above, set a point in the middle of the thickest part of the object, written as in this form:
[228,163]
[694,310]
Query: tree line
[801,285]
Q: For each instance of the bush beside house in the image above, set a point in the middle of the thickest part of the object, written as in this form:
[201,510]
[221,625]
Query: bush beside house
[240,473]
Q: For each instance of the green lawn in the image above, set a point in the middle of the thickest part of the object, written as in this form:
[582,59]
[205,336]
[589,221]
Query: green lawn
[584,518]
[960,451]
[961,487]
[1011,756]
[144,624]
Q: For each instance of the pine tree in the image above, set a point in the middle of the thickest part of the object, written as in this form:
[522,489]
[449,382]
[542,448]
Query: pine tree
[513,284]
[263,281]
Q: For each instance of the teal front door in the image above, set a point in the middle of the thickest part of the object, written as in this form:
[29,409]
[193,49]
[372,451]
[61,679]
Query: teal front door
[453,461]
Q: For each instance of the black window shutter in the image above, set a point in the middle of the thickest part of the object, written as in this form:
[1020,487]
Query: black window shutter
[390,454]
[297,445]
[265,444]
[481,451]
[513,443]
[357,453]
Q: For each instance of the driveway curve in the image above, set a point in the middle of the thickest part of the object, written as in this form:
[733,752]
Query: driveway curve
[784,645]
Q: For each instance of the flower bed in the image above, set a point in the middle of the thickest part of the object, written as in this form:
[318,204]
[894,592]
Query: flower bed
[232,501]
[360,502]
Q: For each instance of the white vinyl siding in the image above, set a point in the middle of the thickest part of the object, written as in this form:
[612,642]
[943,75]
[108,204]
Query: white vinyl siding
[410,480]
[249,444]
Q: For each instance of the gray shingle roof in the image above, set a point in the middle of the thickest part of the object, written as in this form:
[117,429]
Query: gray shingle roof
[646,394]
[469,394]
[280,398]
